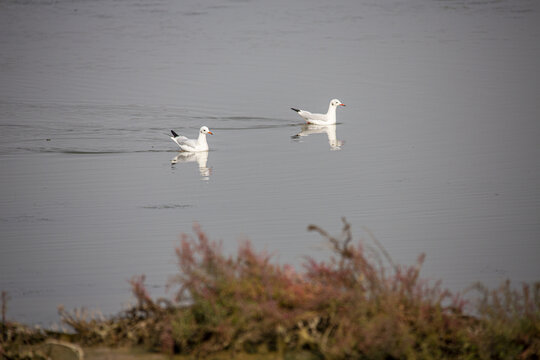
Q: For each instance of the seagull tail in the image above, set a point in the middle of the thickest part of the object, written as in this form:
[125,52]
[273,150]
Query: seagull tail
[295,109]
[174,134]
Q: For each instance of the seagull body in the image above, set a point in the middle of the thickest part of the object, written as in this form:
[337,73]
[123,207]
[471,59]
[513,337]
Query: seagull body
[321,119]
[192,145]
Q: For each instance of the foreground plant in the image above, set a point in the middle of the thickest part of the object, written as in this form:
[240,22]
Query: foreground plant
[357,305]
[509,326]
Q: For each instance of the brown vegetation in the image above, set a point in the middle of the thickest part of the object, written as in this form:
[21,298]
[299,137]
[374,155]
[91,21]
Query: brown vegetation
[356,305]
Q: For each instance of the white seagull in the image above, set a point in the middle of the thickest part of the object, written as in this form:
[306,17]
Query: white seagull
[321,119]
[192,145]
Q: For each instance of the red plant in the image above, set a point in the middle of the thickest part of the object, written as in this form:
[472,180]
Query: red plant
[358,304]
[345,306]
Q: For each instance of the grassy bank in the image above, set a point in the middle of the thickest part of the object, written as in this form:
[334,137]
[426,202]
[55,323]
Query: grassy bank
[359,304]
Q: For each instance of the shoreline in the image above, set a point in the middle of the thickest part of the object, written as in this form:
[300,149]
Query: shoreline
[357,304]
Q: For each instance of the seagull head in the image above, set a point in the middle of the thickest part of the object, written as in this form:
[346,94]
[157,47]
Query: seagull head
[205,130]
[336,103]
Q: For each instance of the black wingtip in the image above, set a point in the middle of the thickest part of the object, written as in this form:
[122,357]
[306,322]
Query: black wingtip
[295,109]
[174,134]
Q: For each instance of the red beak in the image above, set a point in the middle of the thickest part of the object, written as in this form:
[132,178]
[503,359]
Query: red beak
[211,133]
[342,104]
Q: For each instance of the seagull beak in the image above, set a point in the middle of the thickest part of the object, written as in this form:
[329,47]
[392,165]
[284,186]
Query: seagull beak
[342,104]
[211,133]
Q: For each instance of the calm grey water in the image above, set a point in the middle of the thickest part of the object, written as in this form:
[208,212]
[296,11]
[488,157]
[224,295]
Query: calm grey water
[437,150]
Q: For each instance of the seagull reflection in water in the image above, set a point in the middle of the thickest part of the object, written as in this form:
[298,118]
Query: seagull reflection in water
[200,157]
[330,131]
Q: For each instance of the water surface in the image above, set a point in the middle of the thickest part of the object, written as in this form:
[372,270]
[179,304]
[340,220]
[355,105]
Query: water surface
[436,152]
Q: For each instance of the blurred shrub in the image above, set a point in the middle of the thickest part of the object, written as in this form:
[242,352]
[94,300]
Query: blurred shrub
[509,322]
[357,305]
